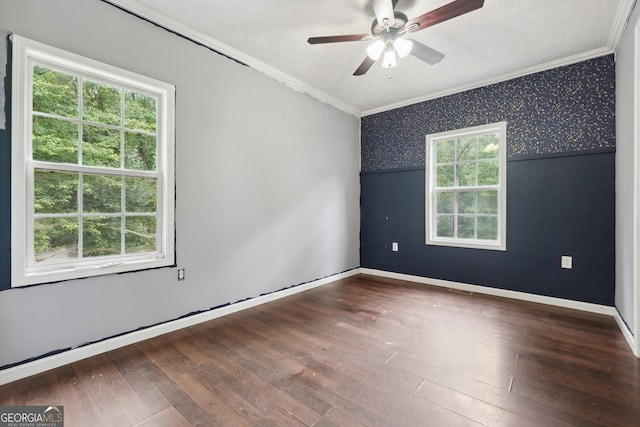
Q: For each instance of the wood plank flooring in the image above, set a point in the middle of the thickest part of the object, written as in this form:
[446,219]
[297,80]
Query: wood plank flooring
[363,351]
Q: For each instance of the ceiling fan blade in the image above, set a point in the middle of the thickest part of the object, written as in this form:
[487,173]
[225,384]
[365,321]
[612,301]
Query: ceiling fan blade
[364,67]
[425,53]
[383,10]
[338,39]
[444,13]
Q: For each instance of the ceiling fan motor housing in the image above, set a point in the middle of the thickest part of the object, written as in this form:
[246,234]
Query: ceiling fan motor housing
[378,29]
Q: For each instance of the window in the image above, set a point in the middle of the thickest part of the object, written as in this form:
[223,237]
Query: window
[466,187]
[92,167]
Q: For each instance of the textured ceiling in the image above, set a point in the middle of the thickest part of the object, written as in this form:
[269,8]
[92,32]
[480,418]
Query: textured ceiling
[503,39]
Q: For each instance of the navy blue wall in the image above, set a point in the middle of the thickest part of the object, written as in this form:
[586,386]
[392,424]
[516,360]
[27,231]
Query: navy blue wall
[560,184]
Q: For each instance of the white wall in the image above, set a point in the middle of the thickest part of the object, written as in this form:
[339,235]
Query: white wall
[625,153]
[267,185]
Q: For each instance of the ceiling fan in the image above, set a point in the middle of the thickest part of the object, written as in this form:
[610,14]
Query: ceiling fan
[390,28]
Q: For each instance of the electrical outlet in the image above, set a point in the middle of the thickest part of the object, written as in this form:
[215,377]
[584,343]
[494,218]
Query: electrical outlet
[181,274]
[566,262]
[394,246]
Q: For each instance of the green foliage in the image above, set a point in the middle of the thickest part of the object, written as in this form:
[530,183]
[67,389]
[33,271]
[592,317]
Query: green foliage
[140,151]
[488,202]
[488,172]
[445,176]
[445,226]
[467,227]
[466,174]
[55,92]
[54,235]
[102,194]
[445,151]
[466,150]
[100,146]
[141,234]
[101,103]
[466,202]
[101,236]
[140,195]
[55,140]
[55,192]
[140,112]
[104,141]
[488,227]
[444,202]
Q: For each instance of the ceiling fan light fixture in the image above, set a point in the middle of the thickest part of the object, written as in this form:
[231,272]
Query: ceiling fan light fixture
[374,50]
[389,59]
[402,47]
[389,28]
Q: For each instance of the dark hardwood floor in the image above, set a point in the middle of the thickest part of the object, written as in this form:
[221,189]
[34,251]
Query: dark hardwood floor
[363,351]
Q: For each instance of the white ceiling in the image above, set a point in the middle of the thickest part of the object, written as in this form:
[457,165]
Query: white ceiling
[503,39]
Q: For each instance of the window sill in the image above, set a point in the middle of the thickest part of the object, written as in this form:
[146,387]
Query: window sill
[63,273]
[470,244]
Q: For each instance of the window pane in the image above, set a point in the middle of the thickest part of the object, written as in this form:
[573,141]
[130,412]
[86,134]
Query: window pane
[445,151]
[466,149]
[445,225]
[55,192]
[467,227]
[55,239]
[488,227]
[100,146]
[140,151]
[140,194]
[139,112]
[467,174]
[467,202]
[488,146]
[467,212]
[101,236]
[140,234]
[444,203]
[101,103]
[55,140]
[488,172]
[488,202]
[102,194]
[54,92]
[444,176]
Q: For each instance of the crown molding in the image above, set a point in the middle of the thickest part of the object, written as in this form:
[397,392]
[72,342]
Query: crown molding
[182,30]
[623,13]
[493,80]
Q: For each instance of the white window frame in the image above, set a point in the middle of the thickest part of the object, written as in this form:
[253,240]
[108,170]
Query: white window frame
[26,53]
[501,188]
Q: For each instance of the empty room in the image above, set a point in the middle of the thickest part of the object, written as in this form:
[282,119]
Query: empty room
[319,213]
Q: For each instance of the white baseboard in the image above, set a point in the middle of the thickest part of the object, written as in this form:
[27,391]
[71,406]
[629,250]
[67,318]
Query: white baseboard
[523,296]
[73,355]
[626,332]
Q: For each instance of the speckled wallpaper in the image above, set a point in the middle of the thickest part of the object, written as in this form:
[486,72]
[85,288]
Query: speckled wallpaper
[564,110]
